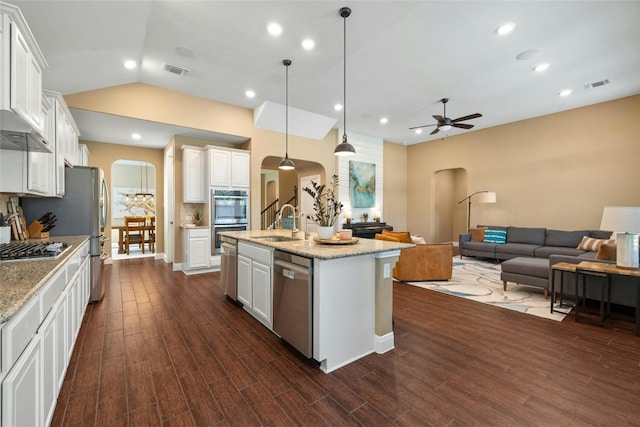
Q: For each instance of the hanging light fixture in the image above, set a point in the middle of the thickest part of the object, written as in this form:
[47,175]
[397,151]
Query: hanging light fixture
[143,196]
[286,163]
[344,148]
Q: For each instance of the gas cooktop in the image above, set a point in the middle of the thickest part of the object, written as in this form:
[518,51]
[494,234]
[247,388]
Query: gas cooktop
[30,251]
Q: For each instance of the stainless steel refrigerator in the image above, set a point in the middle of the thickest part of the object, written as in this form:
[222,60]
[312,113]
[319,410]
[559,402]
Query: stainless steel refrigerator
[83,210]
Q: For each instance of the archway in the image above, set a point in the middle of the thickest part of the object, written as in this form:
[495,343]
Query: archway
[133,193]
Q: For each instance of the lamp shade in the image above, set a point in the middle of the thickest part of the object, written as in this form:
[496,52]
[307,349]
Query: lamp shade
[621,218]
[487,197]
[445,128]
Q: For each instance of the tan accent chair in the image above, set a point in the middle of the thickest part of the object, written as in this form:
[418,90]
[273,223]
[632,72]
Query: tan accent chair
[424,262]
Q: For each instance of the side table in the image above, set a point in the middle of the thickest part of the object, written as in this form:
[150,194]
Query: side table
[590,268]
[561,267]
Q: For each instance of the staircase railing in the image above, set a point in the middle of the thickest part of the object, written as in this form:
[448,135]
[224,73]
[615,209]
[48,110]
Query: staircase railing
[268,215]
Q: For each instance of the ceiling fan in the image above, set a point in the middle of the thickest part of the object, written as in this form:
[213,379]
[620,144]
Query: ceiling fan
[445,123]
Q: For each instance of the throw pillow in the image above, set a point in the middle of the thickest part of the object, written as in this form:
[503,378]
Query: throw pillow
[385,237]
[592,245]
[402,236]
[477,234]
[418,240]
[495,236]
[607,251]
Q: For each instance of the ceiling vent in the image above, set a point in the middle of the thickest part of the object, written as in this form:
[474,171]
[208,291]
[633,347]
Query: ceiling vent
[596,84]
[174,69]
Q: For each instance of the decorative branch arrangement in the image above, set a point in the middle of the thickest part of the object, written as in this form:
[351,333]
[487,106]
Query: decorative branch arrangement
[326,207]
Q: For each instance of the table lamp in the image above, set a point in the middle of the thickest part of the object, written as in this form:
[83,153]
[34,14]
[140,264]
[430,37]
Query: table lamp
[624,221]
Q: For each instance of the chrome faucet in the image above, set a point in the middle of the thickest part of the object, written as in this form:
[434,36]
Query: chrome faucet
[294,230]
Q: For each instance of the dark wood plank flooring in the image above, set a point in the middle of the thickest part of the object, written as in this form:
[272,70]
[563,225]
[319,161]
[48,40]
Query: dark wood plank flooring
[163,348]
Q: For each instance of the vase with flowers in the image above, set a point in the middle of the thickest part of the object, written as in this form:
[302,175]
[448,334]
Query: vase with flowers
[326,207]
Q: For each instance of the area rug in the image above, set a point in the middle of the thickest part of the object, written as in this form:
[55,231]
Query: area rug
[480,281]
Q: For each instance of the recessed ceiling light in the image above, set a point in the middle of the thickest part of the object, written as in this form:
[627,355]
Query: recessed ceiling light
[528,54]
[418,131]
[250,94]
[308,44]
[541,67]
[274,29]
[337,107]
[505,28]
[565,92]
[135,136]
[130,64]
[384,120]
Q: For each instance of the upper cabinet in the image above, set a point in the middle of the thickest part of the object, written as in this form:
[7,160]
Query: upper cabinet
[21,73]
[228,167]
[193,169]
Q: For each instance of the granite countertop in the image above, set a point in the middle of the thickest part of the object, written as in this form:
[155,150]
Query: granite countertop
[20,280]
[312,249]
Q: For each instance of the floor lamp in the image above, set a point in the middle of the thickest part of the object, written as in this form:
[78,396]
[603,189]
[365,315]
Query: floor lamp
[485,197]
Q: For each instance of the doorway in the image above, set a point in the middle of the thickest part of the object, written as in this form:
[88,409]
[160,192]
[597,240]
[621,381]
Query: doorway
[449,217]
[133,193]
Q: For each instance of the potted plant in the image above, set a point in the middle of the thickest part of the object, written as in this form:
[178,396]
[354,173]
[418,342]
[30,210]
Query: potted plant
[365,216]
[197,217]
[326,208]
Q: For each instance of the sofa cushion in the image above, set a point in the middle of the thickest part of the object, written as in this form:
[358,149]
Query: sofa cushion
[601,234]
[477,234]
[494,236]
[527,266]
[547,251]
[402,236]
[534,236]
[607,251]
[591,244]
[480,246]
[518,249]
[569,239]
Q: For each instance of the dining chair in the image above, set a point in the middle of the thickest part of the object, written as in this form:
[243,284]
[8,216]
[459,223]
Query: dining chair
[134,232]
[151,224]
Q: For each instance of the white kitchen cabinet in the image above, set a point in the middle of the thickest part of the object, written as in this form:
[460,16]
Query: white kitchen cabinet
[255,283]
[197,249]
[228,167]
[22,389]
[83,155]
[22,65]
[193,168]
[38,341]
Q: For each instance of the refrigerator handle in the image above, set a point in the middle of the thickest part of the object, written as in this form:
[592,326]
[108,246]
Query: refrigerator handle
[105,209]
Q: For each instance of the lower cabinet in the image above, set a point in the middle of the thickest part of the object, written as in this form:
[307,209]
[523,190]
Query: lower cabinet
[31,386]
[255,288]
[197,249]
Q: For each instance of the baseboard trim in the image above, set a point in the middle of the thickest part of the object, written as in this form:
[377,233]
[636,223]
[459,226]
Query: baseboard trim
[384,343]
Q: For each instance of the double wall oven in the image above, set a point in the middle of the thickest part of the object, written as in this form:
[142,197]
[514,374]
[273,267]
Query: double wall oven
[229,212]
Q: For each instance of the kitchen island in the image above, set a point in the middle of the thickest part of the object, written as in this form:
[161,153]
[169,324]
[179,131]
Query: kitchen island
[352,292]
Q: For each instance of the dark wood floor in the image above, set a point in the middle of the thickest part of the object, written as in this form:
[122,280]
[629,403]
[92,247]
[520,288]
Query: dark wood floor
[167,349]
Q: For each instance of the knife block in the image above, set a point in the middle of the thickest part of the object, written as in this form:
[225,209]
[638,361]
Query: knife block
[35,231]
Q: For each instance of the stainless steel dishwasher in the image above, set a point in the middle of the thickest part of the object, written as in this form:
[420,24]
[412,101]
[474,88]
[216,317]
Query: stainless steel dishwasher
[293,300]
[229,267]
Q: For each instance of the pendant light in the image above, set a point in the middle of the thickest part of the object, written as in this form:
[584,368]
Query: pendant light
[286,163]
[344,148]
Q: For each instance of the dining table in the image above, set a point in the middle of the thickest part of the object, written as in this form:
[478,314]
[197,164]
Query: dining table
[147,228]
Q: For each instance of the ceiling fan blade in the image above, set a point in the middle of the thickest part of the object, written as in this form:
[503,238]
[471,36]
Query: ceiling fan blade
[462,125]
[423,126]
[469,117]
[439,118]
[436,130]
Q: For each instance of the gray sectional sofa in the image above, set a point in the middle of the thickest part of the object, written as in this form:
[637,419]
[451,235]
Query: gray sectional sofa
[554,245]
[530,242]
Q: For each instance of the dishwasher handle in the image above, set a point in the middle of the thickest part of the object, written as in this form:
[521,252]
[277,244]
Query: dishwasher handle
[290,270]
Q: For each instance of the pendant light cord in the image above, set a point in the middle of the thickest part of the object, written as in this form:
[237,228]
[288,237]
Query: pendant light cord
[344,87]
[286,115]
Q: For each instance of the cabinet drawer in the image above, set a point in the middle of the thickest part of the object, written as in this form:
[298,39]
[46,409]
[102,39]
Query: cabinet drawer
[73,264]
[52,291]
[257,253]
[198,232]
[17,333]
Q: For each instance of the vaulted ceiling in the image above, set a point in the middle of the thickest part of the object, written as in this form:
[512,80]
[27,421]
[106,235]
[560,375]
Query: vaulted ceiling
[402,56]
